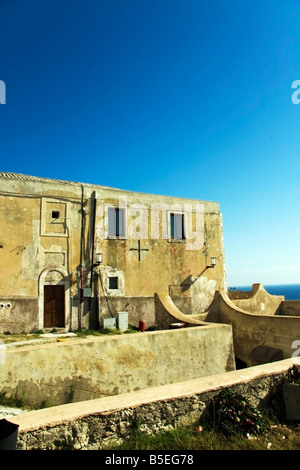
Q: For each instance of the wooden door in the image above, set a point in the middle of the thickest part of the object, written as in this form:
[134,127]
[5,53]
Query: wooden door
[54,306]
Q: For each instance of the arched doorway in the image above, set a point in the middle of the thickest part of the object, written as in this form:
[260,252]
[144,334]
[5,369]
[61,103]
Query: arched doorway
[54,306]
[53,298]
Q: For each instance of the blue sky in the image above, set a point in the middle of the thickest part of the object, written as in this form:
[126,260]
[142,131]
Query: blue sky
[183,98]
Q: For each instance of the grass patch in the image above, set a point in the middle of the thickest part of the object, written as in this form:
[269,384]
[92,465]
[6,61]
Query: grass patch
[13,338]
[82,332]
[8,337]
[13,401]
[18,401]
[274,437]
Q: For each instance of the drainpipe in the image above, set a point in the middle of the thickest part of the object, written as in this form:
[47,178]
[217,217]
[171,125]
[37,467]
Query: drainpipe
[81,245]
[93,242]
[94,237]
[81,285]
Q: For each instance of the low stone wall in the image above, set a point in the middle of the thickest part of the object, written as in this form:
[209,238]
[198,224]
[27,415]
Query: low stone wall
[239,294]
[260,302]
[96,424]
[290,307]
[167,313]
[142,308]
[138,308]
[252,331]
[18,314]
[94,367]
[21,314]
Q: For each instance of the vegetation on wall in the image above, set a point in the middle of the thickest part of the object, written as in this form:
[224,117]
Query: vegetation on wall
[231,413]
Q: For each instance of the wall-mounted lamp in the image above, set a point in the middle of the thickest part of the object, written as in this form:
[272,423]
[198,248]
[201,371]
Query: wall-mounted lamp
[98,260]
[213,262]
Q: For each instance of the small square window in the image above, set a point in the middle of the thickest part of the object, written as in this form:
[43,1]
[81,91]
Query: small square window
[113,282]
[55,214]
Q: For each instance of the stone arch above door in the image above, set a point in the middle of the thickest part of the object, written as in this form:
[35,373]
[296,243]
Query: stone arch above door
[53,277]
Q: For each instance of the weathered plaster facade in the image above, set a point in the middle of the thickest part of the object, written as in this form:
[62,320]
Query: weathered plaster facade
[94,367]
[52,232]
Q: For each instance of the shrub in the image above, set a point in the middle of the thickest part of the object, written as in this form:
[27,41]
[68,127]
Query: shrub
[233,413]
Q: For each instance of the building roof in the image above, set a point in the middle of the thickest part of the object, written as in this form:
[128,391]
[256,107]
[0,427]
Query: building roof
[20,176]
[30,178]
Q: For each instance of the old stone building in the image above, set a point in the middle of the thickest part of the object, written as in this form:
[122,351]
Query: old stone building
[73,254]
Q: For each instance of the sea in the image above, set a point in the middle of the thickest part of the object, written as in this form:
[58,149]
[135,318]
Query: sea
[290,291]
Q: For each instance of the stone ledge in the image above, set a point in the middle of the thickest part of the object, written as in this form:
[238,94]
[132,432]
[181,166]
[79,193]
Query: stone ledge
[55,416]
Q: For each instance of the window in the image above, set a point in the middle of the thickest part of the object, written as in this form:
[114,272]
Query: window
[177,227]
[54,217]
[116,222]
[113,282]
[55,214]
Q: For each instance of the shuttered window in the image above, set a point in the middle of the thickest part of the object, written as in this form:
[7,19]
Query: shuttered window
[177,226]
[116,222]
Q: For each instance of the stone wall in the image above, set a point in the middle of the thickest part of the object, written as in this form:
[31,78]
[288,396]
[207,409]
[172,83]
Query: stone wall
[138,308]
[97,424]
[239,294]
[255,330]
[18,314]
[260,302]
[290,307]
[94,367]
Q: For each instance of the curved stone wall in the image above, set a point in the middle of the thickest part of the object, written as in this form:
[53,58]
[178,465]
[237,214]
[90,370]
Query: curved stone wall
[260,302]
[253,330]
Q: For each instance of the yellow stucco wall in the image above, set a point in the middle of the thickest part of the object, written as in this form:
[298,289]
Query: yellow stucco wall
[52,230]
[103,366]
